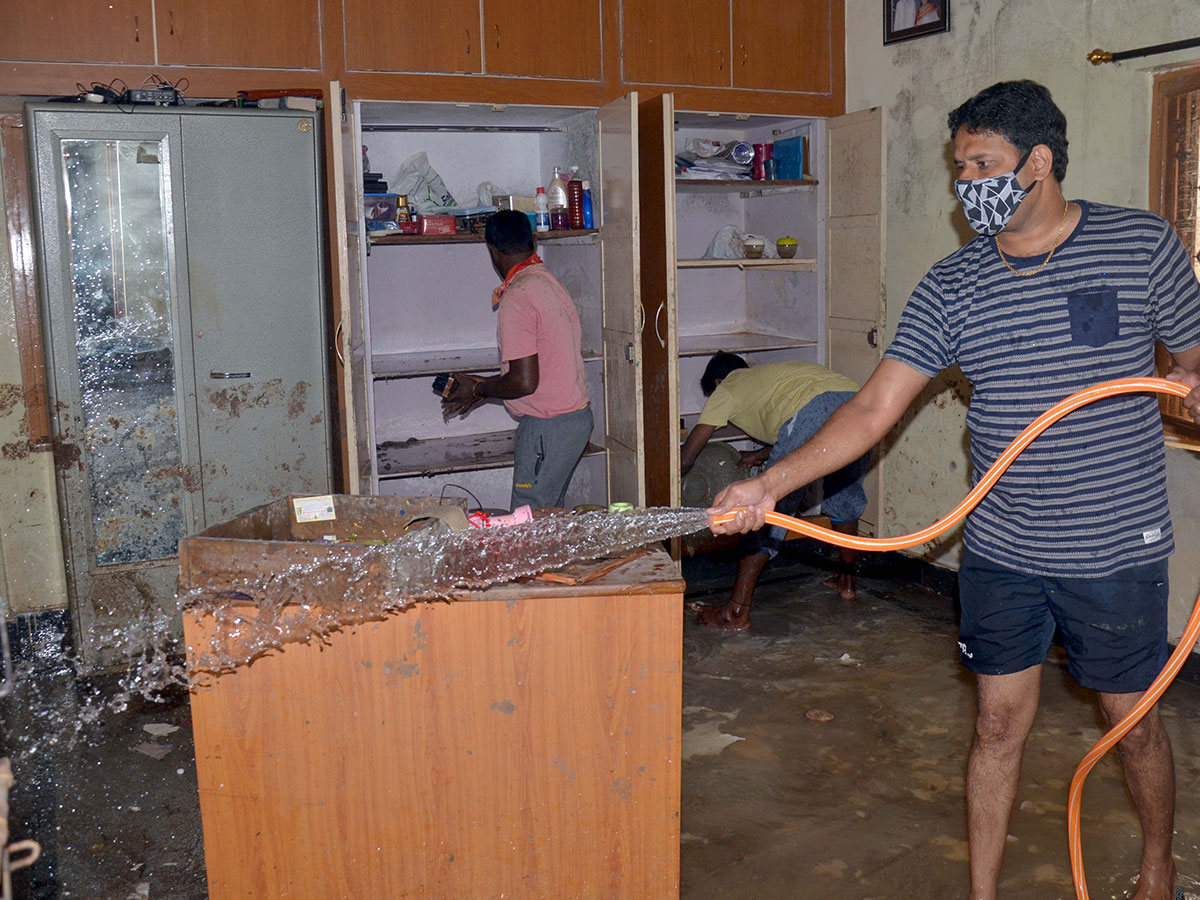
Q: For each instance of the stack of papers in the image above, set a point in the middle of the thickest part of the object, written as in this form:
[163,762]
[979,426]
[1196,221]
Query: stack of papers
[688,165]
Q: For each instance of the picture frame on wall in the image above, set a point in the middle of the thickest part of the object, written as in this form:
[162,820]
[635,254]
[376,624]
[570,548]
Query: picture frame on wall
[904,20]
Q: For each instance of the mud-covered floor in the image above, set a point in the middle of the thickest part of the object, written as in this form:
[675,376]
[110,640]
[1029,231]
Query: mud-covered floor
[775,805]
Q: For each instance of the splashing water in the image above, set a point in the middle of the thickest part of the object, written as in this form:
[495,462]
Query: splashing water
[249,615]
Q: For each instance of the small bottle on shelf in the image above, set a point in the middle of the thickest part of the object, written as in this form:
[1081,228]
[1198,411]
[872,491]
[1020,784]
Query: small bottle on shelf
[556,198]
[541,216]
[586,205]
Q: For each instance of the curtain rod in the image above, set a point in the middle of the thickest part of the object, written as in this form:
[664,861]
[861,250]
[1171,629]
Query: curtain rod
[1098,56]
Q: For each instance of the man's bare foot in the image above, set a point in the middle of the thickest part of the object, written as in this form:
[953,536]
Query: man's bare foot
[1153,886]
[730,617]
[843,584]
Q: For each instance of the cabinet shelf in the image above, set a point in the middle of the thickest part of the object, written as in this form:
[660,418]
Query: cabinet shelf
[439,456]
[783,265]
[739,342]
[386,366]
[389,238]
[742,186]
[728,433]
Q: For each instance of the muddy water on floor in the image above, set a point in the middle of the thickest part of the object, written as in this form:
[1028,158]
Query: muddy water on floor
[870,804]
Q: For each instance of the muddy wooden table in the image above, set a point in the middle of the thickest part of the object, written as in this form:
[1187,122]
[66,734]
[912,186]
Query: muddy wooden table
[518,742]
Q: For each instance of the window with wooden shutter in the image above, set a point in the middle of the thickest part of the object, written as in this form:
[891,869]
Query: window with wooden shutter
[1175,195]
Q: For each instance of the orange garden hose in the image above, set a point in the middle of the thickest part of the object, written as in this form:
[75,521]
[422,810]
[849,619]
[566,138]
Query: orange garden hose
[1023,440]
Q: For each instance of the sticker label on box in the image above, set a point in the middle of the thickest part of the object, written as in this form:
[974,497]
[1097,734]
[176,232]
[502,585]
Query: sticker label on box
[314,509]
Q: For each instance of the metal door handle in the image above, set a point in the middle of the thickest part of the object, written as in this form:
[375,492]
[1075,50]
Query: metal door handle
[873,337]
[228,374]
[641,319]
[337,346]
[662,341]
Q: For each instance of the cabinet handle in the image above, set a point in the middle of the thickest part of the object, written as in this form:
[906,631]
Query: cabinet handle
[662,341]
[497,27]
[873,337]
[468,31]
[228,374]
[641,319]
[743,54]
[337,345]
[171,16]
[137,30]
[721,59]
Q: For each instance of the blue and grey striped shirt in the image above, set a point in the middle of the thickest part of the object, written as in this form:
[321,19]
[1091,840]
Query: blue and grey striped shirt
[1088,497]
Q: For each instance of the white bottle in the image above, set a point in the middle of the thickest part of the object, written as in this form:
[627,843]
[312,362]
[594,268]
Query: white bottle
[541,215]
[556,193]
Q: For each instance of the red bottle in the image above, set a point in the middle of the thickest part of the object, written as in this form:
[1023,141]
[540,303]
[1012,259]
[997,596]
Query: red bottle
[575,202]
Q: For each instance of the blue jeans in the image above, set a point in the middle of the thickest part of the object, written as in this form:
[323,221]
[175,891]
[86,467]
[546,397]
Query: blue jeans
[844,499]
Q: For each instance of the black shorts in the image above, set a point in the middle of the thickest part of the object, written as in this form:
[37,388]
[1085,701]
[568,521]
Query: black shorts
[1114,628]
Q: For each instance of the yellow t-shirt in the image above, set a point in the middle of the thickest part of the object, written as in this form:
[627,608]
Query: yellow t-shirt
[760,399]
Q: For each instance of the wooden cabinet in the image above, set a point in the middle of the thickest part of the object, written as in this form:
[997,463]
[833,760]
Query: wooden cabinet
[261,34]
[413,307]
[543,38]
[522,741]
[782,46]
[94,31]
[413,36]
[664,43]
[528,38]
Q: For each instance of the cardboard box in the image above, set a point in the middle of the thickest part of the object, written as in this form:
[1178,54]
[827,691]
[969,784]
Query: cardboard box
[437,224]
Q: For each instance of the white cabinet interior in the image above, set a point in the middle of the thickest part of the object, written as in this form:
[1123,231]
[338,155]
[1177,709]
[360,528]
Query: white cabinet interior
[766,309]
[426,300]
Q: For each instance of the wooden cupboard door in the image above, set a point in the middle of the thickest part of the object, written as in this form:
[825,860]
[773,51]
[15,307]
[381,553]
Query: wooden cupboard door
[244,34]
[350,334]
[622,325]
[664,43]
[412,36]
[565,40]
[95,31]
[660,340]
[783,46]
[856,286]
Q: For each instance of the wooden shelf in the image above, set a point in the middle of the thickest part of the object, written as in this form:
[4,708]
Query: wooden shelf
[738,342]
[729,433]
[491,450]
[388,238]
[385,366]
[783,265]
[741,186]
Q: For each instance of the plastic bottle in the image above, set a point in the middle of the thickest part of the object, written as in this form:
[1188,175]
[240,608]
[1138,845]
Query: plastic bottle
[575,200]
[556,192]
[541,216]
[586,205]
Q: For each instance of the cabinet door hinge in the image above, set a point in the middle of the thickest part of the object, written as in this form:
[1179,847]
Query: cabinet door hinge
[629,351]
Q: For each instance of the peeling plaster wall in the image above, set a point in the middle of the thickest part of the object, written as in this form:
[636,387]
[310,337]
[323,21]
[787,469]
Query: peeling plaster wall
[32,574]
[1108,114]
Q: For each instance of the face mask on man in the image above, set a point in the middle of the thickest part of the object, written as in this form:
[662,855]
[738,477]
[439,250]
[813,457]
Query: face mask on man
[990,202]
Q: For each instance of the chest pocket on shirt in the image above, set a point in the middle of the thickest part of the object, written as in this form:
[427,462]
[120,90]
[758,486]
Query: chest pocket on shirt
[1095,315]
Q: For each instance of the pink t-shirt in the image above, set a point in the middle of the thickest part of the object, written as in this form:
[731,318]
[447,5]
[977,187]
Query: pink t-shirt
[536,315]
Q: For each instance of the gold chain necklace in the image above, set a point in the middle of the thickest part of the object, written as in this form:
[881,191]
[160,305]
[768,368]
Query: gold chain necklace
[1057,238]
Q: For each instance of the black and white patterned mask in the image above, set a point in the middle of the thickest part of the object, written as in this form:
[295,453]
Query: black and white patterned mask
[990,202]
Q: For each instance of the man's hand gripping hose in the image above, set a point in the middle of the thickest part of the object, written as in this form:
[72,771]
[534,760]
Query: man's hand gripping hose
[1023,440]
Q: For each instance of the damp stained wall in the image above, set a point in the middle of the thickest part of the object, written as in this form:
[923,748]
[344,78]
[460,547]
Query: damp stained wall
[32,574]
[1108,126]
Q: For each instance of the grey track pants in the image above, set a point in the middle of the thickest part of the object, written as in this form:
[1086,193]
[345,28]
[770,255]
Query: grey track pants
[547,451]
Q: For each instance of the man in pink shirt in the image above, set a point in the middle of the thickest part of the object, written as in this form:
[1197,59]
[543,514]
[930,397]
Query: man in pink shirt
[541,378]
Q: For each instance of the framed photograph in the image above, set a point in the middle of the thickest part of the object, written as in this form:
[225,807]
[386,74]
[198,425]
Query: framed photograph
[907,19]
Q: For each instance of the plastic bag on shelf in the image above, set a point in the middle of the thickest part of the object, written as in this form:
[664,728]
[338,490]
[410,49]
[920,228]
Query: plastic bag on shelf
[423,186]
[727,244]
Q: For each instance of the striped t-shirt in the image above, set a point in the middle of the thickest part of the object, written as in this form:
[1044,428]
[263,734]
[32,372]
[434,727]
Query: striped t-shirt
[1089,496]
